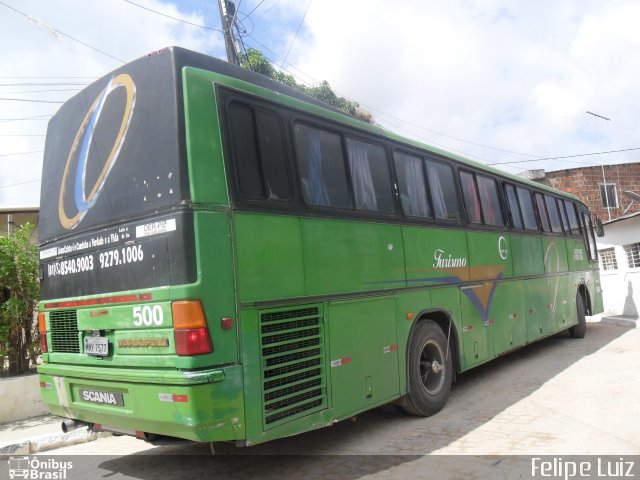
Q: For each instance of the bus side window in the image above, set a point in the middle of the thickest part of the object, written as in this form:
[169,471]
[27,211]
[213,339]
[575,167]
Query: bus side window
[443,190]
[491,209]
[589,238]
[573,218]
[542,211]
[470,197]
[245,150]
[272,156]
[413,193]
[259,153]
[554,215]
[369,176]
[563,215]
[526,206]
[321,167]
[514,207]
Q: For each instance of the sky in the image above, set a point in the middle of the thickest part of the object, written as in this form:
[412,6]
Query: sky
[505,83]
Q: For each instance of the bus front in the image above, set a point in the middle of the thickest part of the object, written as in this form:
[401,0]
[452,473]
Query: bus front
[135,338]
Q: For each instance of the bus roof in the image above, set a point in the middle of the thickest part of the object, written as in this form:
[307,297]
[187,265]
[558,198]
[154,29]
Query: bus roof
[184,57]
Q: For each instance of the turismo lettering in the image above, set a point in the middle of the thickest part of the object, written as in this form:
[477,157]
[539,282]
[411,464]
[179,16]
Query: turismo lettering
[444,260]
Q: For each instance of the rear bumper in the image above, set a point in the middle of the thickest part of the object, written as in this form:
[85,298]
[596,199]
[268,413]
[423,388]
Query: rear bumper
[202,406]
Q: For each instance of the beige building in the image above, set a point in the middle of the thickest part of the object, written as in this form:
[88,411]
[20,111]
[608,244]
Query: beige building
[13,216]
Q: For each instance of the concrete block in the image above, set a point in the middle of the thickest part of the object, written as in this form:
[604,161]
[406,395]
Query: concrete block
[20,398]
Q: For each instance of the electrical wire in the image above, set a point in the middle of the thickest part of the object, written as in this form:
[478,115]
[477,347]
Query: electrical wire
[174,18]
[29,17]
[297,31]
[36,117]
[21,183]
[28,100]
[44,91]
[568,156]
[20,153]
[254,9]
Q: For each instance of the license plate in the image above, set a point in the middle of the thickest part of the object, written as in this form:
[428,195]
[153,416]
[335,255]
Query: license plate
[96,346]
[101,397]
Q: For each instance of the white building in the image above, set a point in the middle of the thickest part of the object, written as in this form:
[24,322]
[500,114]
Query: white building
[619,252]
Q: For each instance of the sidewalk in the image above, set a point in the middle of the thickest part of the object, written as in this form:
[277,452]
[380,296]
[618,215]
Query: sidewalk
[39,434]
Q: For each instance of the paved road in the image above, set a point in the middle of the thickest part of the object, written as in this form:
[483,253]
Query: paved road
[560,396]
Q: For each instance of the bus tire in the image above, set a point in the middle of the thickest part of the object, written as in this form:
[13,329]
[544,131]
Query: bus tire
[579,330]
[430,370]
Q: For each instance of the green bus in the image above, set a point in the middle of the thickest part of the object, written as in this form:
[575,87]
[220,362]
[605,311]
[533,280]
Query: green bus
[223,258]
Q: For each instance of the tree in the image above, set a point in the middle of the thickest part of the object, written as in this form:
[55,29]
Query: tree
[254,60]
[20,291]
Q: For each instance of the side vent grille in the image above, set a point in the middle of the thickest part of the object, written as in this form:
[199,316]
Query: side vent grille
[64,331]
[293,377]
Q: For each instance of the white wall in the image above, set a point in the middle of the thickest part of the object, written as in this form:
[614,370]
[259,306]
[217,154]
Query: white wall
[621,287]
[20,398]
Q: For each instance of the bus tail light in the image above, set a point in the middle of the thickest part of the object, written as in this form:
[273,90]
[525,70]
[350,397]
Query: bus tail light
[190,328]
[42,328]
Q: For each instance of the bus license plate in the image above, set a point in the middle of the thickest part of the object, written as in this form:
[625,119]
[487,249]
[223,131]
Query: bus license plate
[96,346]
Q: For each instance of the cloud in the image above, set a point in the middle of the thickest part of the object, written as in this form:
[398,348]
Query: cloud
[36,46]
[462,75]
[517,76]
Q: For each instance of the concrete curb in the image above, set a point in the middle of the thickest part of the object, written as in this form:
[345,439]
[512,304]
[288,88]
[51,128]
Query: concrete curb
[50,441]
[622,321]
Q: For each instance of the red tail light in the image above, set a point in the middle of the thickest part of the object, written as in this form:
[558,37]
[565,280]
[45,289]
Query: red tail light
[190,328]
[42,328]
[194,341]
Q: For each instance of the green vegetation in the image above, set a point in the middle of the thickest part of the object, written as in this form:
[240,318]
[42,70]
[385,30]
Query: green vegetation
[19,293]
[254,60]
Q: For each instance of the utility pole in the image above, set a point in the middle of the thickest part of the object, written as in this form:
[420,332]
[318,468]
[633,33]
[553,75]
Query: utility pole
[227,16]
[604,180]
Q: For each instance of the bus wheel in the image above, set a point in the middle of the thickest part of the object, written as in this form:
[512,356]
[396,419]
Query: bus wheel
[579,330]
[430,370]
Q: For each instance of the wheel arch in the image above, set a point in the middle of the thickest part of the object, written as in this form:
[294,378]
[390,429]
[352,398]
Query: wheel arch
[586,298]
[443,319]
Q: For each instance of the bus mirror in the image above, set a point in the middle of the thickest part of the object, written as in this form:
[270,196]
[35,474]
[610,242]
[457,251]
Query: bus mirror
[599,228]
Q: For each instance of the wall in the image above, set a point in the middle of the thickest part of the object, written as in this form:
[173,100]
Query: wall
[20,398]
[584,183]
[621,287]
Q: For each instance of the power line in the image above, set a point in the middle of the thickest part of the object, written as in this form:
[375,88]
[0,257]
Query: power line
[297,31]
[28,100]
[254,9]
[43,76]
[37,117]
[44,91]
[21,183]
[174,18]
[29,17]
[21,135]
[568,156]
[20,153]
[40,84]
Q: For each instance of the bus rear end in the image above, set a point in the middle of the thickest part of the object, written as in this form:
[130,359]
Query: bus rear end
[135,338]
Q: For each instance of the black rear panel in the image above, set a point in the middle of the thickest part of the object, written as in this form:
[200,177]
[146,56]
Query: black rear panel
[114,206]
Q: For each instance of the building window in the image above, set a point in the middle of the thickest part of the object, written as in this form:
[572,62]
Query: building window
[608,195]
[633,255]
[608,259]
